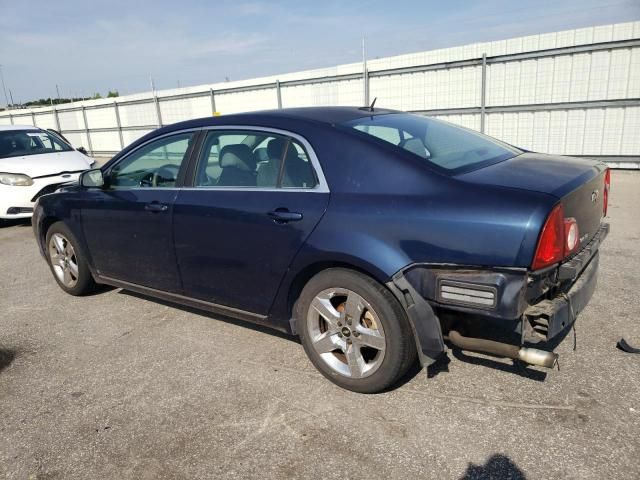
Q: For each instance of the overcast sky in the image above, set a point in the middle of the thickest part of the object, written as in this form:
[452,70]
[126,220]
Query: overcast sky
[92,46]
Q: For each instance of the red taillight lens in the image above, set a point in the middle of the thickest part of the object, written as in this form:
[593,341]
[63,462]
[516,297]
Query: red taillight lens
[607,186]
[550,248]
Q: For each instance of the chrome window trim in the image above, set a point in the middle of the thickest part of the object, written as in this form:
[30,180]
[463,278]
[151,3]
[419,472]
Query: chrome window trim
[168,134]
[321,187]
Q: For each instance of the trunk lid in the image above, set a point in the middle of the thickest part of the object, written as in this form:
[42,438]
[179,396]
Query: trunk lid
[577,183]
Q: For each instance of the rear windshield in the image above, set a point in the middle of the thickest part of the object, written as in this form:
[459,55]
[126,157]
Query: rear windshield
[446,146]
[17,143]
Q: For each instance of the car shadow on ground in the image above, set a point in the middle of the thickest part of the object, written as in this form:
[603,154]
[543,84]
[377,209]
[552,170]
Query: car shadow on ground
[440,366]
[516,367]
[6,357]
[498,466]
[214,316]
[21,222]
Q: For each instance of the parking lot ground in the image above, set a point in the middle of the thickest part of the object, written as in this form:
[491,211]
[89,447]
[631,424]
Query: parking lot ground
[115,385]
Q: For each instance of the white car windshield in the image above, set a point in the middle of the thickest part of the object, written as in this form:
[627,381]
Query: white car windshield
[18,143]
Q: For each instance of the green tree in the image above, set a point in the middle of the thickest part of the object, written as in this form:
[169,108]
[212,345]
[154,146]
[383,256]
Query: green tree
[113,93]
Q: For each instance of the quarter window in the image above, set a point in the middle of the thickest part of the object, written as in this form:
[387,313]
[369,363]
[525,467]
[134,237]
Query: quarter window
[253,159]
[156,165]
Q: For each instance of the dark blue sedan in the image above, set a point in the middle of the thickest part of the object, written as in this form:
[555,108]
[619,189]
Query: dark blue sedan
[374,235]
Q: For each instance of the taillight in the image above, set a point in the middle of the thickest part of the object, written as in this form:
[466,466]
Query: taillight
[560,237]
[607,186]
[571,234]
[550,248]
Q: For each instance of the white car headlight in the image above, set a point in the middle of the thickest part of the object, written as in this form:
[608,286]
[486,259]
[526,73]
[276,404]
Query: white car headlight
[16,179]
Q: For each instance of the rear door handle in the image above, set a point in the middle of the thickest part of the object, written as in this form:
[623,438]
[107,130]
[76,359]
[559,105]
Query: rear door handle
[156,207]
[282,215]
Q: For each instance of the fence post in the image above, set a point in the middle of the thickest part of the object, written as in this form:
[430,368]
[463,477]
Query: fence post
[365,80]
[483,92]
[118,124]
[213,101]
[278,94]
[157,102]
[86,129]
[11,118]
[56,119]
[33,118]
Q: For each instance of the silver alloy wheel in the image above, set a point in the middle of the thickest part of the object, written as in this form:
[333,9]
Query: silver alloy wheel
[346,332]
[63,260]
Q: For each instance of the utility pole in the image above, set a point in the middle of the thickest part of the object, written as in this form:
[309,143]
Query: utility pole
[4,88]
[11,97]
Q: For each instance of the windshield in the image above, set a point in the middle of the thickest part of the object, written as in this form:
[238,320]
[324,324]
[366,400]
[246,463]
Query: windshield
[439,143]
[17,143]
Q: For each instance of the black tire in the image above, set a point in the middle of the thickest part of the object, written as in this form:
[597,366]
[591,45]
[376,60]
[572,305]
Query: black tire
[400,348]
[84,283]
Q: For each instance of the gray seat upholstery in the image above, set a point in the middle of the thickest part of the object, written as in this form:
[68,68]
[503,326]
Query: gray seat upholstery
[269,170]
[267,175]
[297,172]
[238,167]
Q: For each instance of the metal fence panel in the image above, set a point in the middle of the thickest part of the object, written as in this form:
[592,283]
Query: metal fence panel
[247,101]
[343,92]
[177,110]
[138,114]
[131,136]
[71,120]
[104,141]
[45,120]
[104,117]
[575,92]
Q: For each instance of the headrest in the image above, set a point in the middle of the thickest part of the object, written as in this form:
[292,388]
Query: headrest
[238,156]
[275,148]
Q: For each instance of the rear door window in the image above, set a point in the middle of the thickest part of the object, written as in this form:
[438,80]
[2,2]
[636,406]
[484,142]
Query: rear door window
[253,159]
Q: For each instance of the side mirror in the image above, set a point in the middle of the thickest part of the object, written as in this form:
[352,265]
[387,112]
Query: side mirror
[82,150]
[92,178]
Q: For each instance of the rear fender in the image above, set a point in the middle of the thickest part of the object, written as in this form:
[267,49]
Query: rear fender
[424,323]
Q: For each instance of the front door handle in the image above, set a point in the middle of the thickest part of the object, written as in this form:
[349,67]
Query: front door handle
[283,215]
[156,207]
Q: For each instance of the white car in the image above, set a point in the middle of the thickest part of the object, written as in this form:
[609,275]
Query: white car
[34,162]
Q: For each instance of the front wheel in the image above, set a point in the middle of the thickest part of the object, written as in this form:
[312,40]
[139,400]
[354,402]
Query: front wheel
[354,331]
[66,261]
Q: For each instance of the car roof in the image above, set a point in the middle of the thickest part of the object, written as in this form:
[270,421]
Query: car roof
[330,115]
[280,118]
[324,115]
[4,128]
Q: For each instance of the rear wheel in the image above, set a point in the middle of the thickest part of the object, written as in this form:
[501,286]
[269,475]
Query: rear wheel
[66,261]
[354,331]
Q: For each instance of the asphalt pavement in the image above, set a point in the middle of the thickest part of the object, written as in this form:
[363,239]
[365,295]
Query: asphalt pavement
[116,385]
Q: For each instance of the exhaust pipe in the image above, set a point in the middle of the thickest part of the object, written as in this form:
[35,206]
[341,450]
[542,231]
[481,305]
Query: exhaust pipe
[532,356]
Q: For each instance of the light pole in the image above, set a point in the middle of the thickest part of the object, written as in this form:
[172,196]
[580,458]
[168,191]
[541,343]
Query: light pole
[4,89]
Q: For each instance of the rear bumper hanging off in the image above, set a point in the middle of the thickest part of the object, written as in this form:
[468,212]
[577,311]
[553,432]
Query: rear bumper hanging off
[559,313]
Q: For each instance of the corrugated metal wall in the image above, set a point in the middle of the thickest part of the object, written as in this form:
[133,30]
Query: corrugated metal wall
[575,92]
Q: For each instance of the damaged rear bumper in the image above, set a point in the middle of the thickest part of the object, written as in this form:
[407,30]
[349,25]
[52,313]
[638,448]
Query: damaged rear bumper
[538,306]
[548,318]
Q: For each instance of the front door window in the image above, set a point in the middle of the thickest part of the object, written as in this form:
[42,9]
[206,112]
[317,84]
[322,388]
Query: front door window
[155,165]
